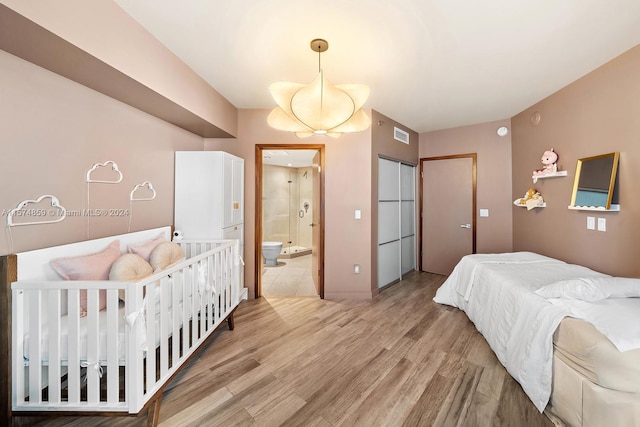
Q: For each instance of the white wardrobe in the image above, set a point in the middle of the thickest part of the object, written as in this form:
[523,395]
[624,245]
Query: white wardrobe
[209,195]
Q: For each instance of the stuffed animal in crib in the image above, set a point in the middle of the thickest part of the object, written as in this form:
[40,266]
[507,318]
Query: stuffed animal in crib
[549,162]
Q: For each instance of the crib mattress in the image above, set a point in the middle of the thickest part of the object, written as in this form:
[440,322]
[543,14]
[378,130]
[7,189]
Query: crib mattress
[121,340]
[583,348]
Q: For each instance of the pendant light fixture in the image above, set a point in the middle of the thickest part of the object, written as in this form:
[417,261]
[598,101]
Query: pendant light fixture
[320,107]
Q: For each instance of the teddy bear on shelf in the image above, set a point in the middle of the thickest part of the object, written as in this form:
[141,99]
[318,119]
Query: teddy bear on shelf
[549,161]
[527,196]
[532,199]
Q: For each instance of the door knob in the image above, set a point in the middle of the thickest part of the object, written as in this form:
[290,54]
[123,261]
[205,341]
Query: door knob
[312,225]
[465,225]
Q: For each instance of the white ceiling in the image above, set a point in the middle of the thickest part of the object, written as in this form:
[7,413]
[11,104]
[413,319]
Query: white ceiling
[430,64]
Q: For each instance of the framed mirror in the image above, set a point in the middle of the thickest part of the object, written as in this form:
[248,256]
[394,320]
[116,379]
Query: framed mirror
[595,182]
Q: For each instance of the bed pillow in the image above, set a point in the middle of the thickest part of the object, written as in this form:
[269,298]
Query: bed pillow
[166,254]
[129,268]
[592,288]
[94,266]
[145,248]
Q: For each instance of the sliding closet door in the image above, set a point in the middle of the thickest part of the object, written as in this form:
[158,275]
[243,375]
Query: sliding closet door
[396,220]
[407,218]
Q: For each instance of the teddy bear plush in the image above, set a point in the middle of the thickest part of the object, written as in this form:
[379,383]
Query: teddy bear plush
[532,199]
[549,161]
[527,196]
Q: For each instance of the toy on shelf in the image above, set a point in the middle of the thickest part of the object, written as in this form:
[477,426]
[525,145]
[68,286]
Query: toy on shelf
[549,161]
[532,199]
[550,166]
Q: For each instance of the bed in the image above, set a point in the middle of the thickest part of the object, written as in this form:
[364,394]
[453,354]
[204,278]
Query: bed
[569,335]
[111,346]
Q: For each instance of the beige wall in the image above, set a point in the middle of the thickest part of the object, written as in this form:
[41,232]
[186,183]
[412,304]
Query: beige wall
[597,114]
[54,130]
[493,233]
[347,188]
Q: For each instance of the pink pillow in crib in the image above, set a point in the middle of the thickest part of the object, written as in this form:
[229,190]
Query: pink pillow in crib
[145,248]
[94,266]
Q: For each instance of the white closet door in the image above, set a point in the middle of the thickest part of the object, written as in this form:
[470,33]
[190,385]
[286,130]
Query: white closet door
[408,217]
[396,220]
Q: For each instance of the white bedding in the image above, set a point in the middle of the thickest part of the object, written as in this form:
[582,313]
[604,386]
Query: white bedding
[517,323]
[102,340]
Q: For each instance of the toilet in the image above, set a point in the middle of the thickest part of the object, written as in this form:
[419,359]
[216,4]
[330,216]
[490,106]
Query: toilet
[270,252]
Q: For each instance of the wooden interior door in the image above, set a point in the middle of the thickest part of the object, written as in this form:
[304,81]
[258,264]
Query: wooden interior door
[315,223]
[448,211]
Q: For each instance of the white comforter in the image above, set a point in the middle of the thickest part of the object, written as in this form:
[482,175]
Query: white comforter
[497,293]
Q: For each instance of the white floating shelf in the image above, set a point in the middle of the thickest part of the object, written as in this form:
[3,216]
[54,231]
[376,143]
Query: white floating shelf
[613,208]
[517,203]
[551,175]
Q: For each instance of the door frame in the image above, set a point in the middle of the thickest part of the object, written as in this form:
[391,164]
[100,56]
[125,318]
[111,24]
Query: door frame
[258,204]
[474,159]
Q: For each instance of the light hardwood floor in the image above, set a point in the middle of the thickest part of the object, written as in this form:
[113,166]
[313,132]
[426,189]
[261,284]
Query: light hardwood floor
[397,360]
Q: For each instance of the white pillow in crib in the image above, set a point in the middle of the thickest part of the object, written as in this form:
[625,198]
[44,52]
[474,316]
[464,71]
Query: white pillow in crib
[129,268]
[94,266]
[166,254]
[145,248]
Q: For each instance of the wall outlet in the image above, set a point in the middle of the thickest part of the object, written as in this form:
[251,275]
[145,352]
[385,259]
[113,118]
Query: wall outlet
[358,214]
[591,223]
[356,269]
[602,224]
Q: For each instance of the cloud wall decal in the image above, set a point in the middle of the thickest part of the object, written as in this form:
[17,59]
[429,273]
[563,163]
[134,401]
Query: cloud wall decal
[98,166]
[33,209]
[144,188]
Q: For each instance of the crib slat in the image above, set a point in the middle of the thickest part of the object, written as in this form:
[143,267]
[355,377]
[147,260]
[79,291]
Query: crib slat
[53,323]
[92,374]
[187,300]
[164,325]
[134,366]
[113,347]
[17,345]
[219,275]
[202,300]
[151,335]
[176,296]
[73,346]
[211,296]
[227,283]
[35,347]
[193,308]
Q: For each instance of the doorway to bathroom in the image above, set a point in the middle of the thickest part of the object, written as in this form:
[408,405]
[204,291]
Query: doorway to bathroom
[289,220]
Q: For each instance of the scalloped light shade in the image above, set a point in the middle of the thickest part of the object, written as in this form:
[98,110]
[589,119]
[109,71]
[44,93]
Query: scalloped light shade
[319,107]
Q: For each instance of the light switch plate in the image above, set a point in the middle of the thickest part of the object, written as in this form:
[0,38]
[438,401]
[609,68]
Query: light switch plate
[358,214]
[602,224]
[591,223]
[484,212]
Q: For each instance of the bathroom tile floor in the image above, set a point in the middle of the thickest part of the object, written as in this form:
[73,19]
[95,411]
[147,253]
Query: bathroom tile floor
[291,277]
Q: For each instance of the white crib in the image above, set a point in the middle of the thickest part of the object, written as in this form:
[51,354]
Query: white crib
[119,359]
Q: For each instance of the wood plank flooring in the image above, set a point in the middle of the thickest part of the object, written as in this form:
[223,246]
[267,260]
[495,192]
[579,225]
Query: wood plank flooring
[397,360]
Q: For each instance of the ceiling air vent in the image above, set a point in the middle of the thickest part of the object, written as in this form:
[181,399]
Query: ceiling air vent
[400,135]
